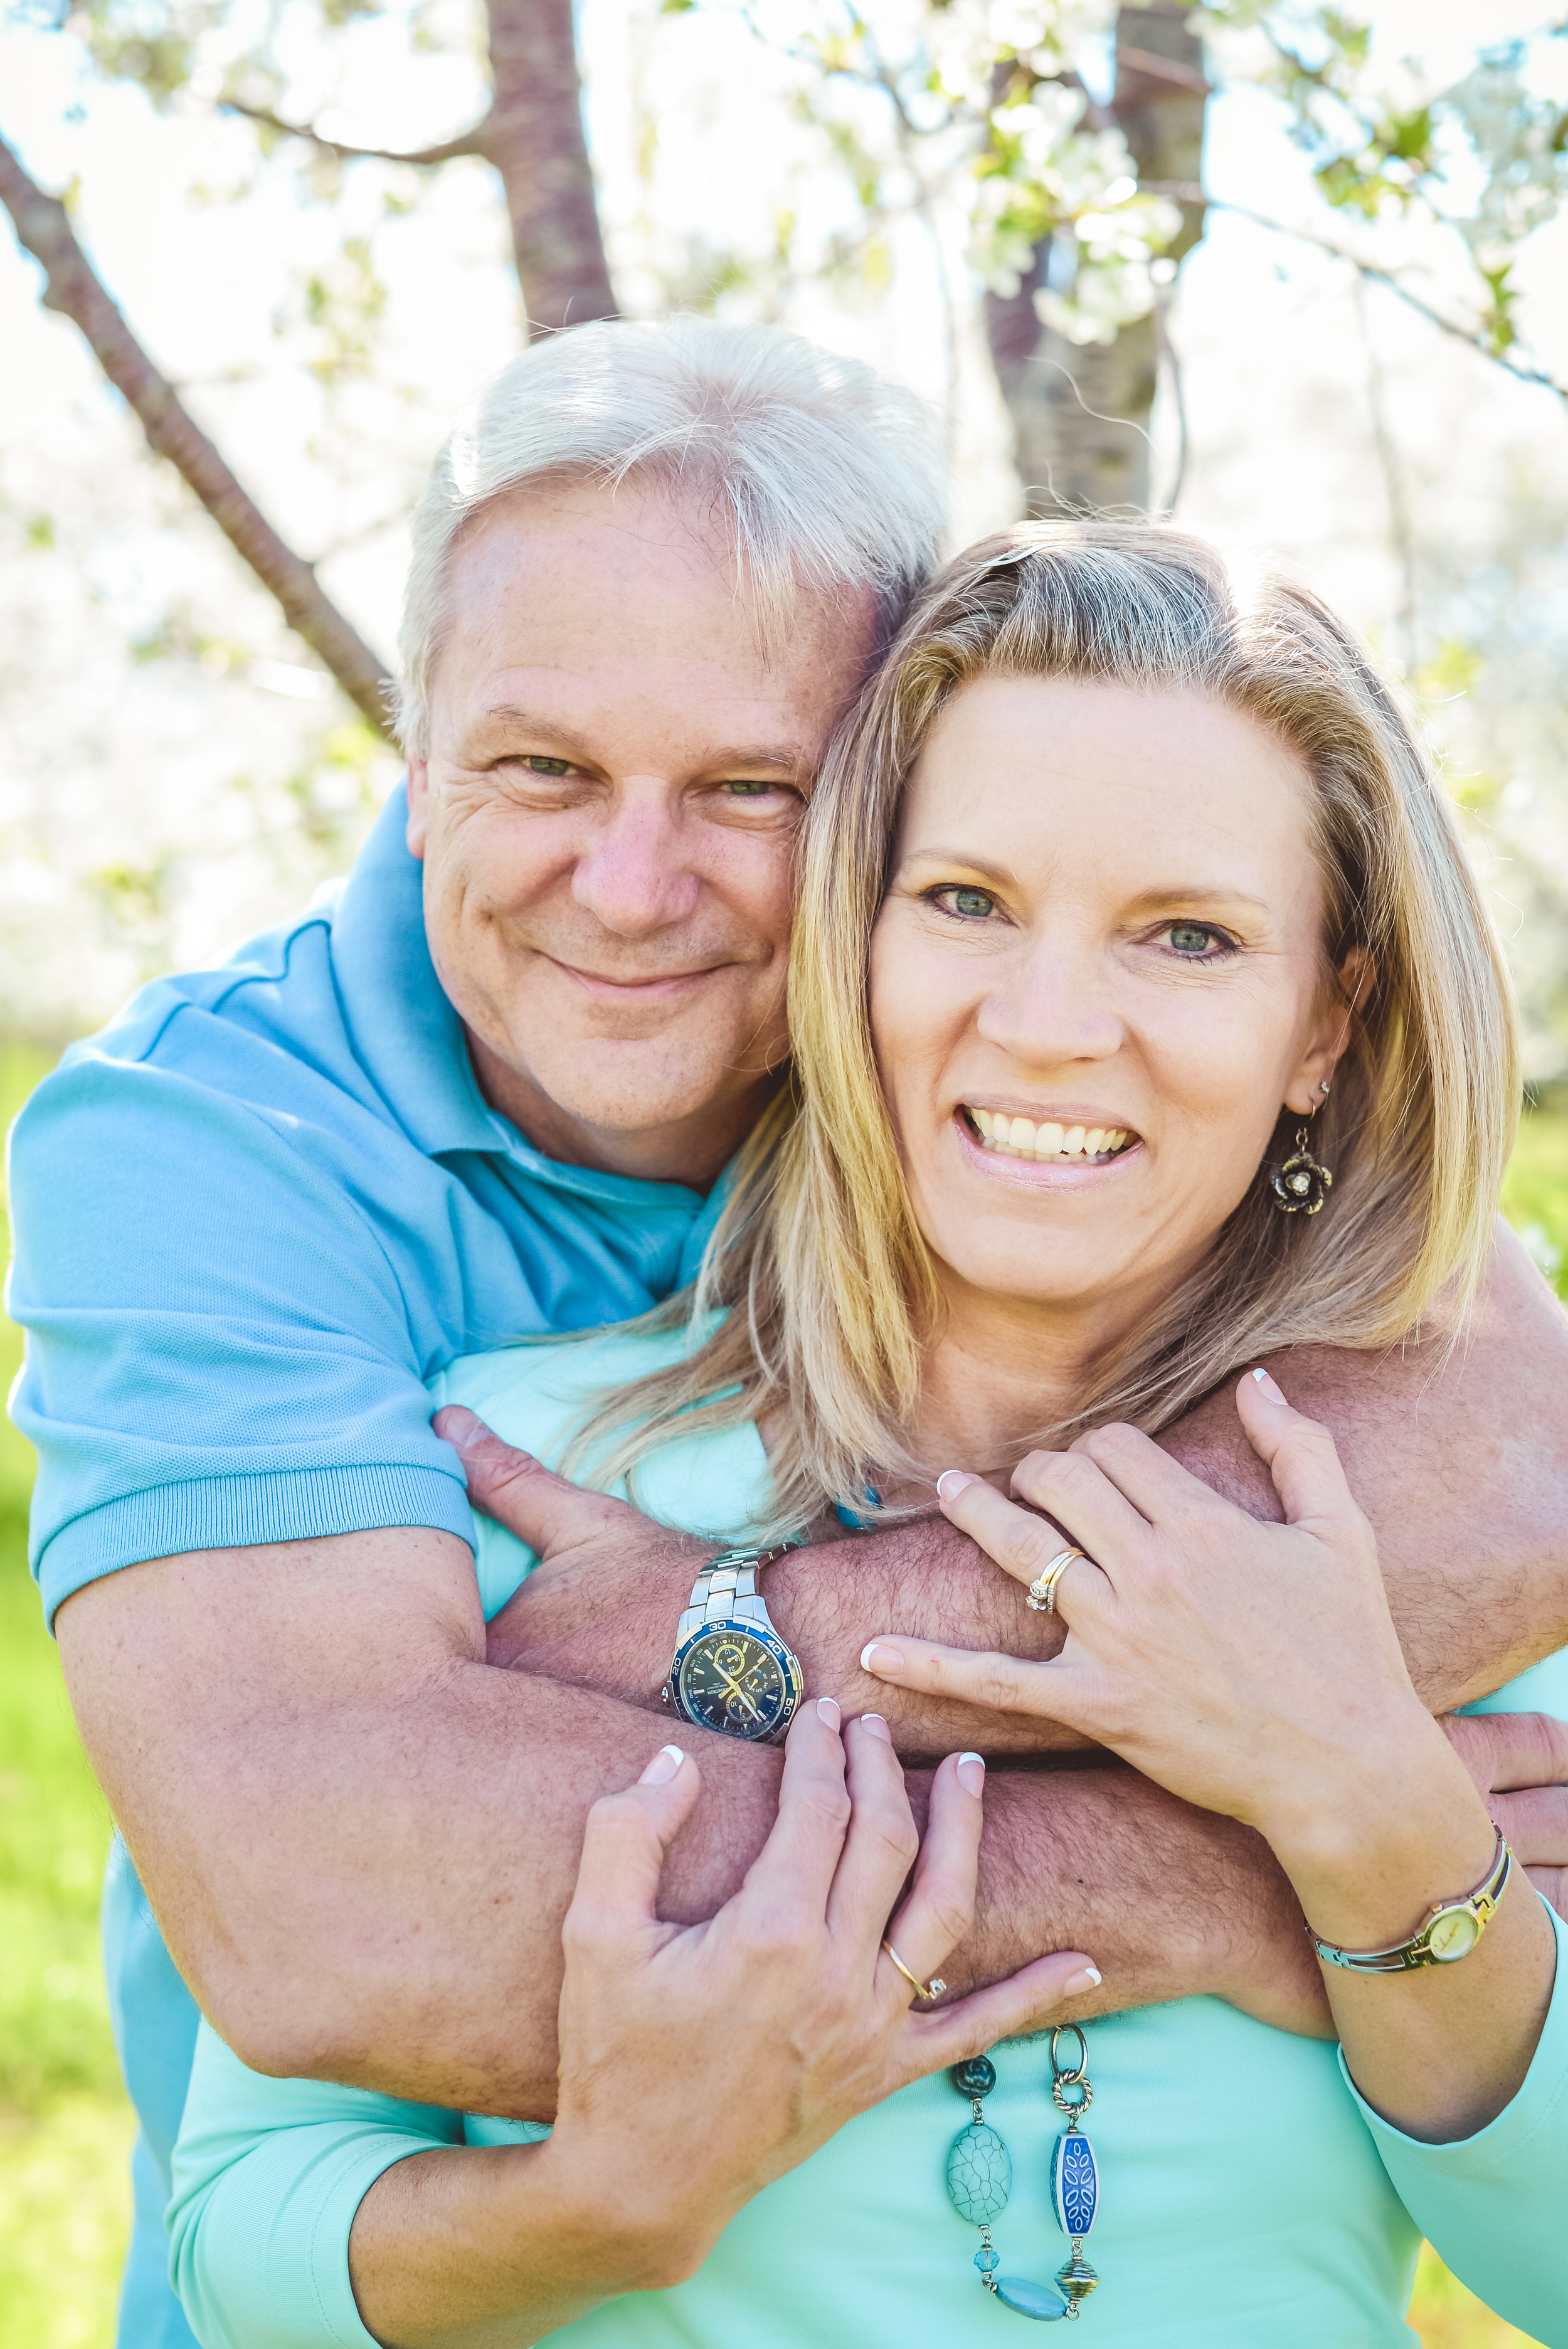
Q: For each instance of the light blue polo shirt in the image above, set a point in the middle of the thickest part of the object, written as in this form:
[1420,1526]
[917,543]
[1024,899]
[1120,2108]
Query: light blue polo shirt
[252,1218]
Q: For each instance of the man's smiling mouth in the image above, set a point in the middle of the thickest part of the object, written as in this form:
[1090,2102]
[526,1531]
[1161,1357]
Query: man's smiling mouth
[1021,1137]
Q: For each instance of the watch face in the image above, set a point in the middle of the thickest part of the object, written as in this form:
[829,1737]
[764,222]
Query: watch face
[738,1680]
[1454,1934]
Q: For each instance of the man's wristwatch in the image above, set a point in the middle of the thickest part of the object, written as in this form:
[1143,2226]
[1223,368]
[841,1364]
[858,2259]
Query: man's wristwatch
[1451,1930]
[732,1671]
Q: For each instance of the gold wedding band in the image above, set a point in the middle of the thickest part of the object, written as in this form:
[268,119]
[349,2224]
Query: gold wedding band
[1042,1595]
[932,1989]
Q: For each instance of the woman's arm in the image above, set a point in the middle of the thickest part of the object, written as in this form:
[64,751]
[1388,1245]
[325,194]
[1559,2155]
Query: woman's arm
[697,2063]
[1254,1670]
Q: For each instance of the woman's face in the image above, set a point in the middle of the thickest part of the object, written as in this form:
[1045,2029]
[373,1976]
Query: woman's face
[1096,978]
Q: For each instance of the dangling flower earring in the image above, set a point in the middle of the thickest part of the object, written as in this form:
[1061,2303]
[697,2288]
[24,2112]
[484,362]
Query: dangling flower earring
[1301,1185]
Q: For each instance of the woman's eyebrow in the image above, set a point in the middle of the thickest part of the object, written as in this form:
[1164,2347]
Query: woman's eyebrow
[1196,893]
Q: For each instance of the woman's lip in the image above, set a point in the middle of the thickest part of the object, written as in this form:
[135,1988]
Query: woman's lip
[1041,1174]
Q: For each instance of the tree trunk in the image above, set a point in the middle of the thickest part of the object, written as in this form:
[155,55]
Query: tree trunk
[533,136]
[1081,412]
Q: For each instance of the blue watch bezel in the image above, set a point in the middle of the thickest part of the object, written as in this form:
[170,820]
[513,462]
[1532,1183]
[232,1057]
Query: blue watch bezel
[788,1665]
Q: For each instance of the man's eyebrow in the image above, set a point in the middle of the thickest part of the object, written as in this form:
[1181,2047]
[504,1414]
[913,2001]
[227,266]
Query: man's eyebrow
[787,760]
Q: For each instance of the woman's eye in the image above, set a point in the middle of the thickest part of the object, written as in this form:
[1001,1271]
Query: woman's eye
[548,766]
[969,904]
[741,787]
[1195,940]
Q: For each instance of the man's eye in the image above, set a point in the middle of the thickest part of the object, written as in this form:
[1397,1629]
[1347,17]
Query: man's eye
[969,904]
[548,766]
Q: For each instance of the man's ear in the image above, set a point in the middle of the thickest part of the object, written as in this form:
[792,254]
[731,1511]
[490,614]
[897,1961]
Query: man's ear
[1343,999]
[419,805]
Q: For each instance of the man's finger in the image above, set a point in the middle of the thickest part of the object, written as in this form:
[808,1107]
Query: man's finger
[1535,1822]
[623,1845]
[546,1511]
[1298,1453]
[1508,1750]
[1053,1989]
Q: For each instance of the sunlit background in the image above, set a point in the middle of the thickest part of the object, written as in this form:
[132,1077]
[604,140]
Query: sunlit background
[1360,364]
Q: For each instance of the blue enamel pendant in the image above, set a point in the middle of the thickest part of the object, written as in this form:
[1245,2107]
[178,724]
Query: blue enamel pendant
[1075,2184]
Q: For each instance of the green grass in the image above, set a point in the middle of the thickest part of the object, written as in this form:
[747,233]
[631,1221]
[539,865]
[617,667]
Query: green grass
[65,2126]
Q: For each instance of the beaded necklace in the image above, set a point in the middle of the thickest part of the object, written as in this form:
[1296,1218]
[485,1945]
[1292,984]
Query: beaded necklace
[980,2180]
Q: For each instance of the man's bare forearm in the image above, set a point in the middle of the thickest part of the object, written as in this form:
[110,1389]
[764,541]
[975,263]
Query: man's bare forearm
[361,1848]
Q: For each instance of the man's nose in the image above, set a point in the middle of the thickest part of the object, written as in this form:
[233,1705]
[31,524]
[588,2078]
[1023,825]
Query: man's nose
[636,874]
[1056,1004]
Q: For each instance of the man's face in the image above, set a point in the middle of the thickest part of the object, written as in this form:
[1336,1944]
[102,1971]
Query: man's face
[607,818]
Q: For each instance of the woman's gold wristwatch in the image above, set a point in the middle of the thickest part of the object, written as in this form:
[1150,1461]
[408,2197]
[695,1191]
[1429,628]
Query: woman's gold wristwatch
[1451,1930]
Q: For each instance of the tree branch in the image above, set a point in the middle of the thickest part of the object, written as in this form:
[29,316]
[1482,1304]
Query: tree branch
[469,142]
[72,287]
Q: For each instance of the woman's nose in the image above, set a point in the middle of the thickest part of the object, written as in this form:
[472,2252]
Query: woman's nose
[633,876]
[1055,1004]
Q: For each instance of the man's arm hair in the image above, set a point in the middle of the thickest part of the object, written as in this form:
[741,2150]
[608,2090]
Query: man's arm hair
[360,1839]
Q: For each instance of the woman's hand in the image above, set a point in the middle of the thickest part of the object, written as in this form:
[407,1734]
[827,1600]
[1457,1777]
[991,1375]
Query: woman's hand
[1254,1668]
[698,2064]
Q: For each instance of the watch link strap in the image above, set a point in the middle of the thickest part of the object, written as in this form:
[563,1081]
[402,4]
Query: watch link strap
[726,1591]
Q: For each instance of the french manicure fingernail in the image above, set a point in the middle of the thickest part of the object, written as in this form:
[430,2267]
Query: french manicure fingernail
[875,1726]
[876,1658]
[828,1710]
[1086,1978]
[1267,1386]
[663,1766]
[972,1772]
[952,1481]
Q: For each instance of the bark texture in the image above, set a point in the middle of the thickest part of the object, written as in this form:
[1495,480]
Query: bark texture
[533,136]
[1081,412]
[72,287]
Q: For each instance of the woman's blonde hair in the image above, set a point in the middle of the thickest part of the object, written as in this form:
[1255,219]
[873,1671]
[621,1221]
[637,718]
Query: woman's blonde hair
[827,1289]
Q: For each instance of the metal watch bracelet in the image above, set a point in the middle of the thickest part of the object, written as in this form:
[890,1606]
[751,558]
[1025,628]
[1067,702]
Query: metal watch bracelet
[1450,1931]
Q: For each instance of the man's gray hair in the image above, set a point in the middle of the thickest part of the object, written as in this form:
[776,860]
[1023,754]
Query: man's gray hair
[821,475]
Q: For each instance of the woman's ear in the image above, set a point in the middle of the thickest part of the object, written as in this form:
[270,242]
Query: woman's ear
[1343,1000]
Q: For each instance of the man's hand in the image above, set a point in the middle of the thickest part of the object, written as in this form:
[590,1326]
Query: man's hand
[1519,1762]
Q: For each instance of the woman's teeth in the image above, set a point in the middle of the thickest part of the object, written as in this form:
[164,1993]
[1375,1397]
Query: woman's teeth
[1020,1137]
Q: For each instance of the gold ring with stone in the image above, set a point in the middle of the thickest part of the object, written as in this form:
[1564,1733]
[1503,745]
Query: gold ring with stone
[1042,1595]
[932,1989]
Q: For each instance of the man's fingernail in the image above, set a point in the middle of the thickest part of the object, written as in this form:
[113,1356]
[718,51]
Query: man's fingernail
[461,1427]
[875,1726]
[828,1710]
[663,1766]
[1086,1978]
[1265,1385]
[972,1772]
[951,1480]
[875,1657]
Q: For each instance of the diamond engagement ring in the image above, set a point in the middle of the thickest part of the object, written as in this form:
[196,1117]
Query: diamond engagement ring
[1043,1590]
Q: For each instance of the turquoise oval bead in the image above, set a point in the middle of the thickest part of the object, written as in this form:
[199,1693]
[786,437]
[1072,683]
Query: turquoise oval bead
[979,2174]
[1030,2299]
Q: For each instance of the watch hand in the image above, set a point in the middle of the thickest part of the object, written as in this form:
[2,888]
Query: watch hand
[736,1690]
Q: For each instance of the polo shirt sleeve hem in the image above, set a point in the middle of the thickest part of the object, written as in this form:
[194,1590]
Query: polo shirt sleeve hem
[1491,2204]
[237,1512]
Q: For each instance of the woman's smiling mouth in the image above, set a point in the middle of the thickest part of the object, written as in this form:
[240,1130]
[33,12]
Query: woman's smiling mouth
[1046,1142]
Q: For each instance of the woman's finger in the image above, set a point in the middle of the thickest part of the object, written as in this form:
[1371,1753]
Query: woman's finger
[623,1845]
[1000,1683]
[1023,1544]
[1076,1491]
[1299,1455]
[883,1841]
[794,1873]
[940,1909]
[1052,1989]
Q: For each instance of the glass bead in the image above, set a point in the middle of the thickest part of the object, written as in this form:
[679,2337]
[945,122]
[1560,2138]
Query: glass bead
[975,2078]
[1035,2300]
[988,2258]
[979,2174]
